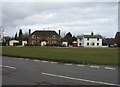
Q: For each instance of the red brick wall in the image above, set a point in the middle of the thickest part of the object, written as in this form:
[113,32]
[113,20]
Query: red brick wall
[30,39]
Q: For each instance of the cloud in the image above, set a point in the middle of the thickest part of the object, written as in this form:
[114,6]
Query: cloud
[86,22]
[35,19]
[80,17]
[60,1]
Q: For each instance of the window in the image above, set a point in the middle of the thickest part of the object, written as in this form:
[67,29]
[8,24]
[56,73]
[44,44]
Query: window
[33,42]
[97,44]
[33,36]
[49,42]
[97,39]
[38,37]
[54,42]
[88,44]
[87,38]
[93,44]
[49,37]
[80,44]
[53,36]
[80,39]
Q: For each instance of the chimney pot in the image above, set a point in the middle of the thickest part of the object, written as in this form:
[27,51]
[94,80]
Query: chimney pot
[92,33]
[59,32]
[29,31]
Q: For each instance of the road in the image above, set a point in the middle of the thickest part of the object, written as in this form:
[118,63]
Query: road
[20,71]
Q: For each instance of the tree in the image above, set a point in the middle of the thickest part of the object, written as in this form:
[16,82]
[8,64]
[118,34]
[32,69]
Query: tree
[20,36]
[16,36]
[20,32]
[25,36]
[7,39]
[68,36]
[74,38]
[70,41]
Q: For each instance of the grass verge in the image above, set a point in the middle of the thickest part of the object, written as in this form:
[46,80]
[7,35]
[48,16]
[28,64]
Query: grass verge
[99,56]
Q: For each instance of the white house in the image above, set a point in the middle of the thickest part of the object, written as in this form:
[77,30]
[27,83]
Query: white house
[13,42]
[16,42]
[89,40]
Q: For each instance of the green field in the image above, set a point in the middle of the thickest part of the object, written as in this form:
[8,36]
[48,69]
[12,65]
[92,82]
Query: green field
[103,56]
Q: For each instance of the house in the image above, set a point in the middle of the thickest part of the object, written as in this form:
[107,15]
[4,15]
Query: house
[108,42]
[16,43]
[44,37]
[13,42]
[117,39]
[89,40]
[65,41]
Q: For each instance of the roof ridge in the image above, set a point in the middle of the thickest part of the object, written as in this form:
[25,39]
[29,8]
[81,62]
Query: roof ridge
[44,30]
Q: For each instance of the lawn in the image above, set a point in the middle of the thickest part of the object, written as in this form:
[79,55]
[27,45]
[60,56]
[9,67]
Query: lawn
[103,56]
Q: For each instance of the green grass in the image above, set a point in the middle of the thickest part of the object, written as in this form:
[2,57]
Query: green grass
[103,56]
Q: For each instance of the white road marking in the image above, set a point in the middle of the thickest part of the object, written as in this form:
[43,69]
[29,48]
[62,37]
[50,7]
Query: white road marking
[68,64]
[95,66]
[80,65]
[84,80]
[36,60]
[26,59]
[8,67]
[44,61]
[109,68]
[54,62]
[20,58]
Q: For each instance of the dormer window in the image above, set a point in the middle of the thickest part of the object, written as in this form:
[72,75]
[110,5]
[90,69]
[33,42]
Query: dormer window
[53,36]
[49,37]
[97,39]
[33,36]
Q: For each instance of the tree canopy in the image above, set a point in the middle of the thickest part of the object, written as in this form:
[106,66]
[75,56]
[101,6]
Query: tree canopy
[70,38]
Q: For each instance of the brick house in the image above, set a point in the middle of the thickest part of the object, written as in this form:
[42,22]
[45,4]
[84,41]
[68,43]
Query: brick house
[109,41]
[44,37]
[117,39]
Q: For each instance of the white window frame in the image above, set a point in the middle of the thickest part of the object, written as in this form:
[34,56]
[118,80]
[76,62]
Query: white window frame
[33,42]
[53,36]
[33,36]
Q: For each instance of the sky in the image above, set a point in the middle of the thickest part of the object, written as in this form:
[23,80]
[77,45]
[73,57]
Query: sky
[75,17]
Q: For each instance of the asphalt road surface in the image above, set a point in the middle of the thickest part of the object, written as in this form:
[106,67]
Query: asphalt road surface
[19,71]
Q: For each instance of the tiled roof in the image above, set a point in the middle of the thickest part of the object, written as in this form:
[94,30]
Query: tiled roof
[90,36]
[117,38]
[109,41]
[45,33]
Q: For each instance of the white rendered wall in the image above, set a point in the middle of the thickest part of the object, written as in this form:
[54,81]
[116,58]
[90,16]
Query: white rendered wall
[92,40]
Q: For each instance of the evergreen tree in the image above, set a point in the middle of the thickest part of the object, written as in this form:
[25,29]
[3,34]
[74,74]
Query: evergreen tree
[20,36]
[25,36]
[74,38]
[16,36]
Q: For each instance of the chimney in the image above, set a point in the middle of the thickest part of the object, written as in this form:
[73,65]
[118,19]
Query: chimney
[29,31]
[59,32]
[92,33]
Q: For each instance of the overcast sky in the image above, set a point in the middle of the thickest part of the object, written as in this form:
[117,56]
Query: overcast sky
[75,17]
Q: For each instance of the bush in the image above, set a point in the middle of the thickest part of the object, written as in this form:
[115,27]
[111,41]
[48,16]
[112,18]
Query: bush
[26,44]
